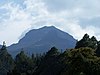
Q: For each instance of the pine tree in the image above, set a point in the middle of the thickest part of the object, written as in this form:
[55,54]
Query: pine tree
[84,42]
[81,61]
[24,64]
[87,42]
[47,65]
[6,61]
[98,49]
[52,52]
[93,43]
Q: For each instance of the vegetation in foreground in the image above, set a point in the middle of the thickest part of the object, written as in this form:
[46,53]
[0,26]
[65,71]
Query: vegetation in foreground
[82,60]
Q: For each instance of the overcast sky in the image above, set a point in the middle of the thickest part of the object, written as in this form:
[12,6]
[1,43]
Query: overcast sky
[76,17]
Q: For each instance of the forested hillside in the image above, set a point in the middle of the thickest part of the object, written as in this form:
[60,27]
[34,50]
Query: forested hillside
[82,60]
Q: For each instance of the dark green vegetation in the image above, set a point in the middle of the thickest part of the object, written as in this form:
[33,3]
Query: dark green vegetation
[82,60]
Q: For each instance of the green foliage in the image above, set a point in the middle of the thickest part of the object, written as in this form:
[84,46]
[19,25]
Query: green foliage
[93,43]
[53,52]
[87,42]
[98,49]
[6,61]
[82,61]
[48,64]
[24,64]
[79,61]
[83,42]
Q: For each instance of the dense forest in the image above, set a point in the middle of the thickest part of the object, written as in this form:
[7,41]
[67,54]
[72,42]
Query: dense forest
[82,60]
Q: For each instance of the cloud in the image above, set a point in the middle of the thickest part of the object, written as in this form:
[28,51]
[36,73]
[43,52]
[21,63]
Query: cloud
[16,23]
[80,16]
[60,5]
[75,17]
[91,21]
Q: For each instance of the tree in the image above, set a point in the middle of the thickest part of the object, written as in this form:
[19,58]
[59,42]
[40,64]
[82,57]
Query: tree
[52,52]
[83,42]
[93,43]
[98,49]
[87,42]
[24,65]
[48,64]
[81,61]
[6,61]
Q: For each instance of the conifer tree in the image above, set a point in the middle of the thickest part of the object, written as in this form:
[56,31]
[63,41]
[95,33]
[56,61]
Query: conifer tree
[24,64]
[98,49]
[84,42]
[6,61]
[87,42]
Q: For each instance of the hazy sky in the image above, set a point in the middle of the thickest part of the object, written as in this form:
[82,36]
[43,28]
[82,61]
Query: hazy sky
[76,17]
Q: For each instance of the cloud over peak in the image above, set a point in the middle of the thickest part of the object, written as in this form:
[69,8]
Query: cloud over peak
[76,17]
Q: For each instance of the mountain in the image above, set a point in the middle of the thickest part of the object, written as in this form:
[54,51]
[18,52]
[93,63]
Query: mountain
[41,40]
[0,46]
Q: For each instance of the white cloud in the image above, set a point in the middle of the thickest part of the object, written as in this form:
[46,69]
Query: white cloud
[64,14]
[13,26]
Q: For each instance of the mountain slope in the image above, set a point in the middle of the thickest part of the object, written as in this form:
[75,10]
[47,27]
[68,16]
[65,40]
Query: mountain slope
[41,40]
[0,46]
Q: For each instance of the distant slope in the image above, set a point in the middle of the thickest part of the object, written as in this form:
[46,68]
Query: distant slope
[41,40]
[0,46]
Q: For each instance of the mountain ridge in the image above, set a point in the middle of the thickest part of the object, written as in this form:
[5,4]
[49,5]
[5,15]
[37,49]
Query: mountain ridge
[42,39]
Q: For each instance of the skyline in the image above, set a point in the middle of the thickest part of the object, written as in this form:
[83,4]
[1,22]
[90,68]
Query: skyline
[74,17]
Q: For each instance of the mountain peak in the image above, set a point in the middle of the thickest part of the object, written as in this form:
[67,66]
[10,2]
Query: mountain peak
[42,39]
[48,27]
